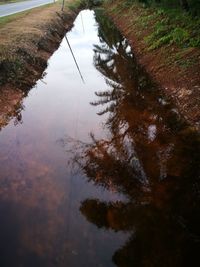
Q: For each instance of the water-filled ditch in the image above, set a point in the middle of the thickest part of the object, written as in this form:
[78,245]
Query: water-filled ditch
[101,173]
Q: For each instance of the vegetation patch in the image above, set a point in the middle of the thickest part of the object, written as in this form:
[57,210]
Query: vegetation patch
[165,26]
[3,2]
[165,37]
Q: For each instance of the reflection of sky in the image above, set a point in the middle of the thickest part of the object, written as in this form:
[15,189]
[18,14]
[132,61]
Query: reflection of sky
[81,40]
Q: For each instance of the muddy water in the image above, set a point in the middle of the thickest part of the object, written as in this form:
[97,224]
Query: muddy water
[101,173]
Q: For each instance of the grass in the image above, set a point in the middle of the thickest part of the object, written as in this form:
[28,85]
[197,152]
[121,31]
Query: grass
[166,43]
[24,36]
[84,3]
[10,18]
[3,2]
[164,26]
[161,28]
[68,4]
[172,27]
[75,4]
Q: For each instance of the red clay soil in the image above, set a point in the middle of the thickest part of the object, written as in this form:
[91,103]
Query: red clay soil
[181,85]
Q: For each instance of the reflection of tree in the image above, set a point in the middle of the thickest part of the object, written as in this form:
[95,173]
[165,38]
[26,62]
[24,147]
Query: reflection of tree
[149,242]
[163,220]
[150,157]
[10,106]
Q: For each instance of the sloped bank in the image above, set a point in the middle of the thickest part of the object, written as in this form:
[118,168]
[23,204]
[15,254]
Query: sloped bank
[28,41]
[178,77]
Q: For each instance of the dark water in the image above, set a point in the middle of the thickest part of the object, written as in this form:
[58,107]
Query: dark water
[102,174]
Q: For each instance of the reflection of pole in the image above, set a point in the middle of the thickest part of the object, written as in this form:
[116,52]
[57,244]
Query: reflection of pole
[63,5]
[82,23]
[74,59]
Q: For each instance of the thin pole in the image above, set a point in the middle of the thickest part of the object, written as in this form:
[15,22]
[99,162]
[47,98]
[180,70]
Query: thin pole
[63,4]
[82,23]
[74,59]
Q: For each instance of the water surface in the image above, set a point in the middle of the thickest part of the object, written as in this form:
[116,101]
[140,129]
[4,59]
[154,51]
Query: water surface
[101,173]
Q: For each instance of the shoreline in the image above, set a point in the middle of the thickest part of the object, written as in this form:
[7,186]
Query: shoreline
[24,58]
[182,86]
[24,54]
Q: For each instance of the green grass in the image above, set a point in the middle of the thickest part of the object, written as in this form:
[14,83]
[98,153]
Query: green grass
[170,26]
[182,60]
[10,18]
[164,26]
[3,2]
[84,3]
[4,20]
[74,5]
[163,29]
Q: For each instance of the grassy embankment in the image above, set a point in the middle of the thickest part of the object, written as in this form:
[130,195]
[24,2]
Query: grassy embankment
[167,43]
[3,2]
[27,41]
[29,38]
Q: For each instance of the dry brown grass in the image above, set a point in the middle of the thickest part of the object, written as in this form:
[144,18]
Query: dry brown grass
[27,41]
[30,23]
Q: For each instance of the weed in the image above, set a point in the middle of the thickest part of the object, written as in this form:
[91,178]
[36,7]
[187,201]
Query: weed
[165,26]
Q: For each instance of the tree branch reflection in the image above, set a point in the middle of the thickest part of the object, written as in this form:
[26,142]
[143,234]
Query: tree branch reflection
[150,156]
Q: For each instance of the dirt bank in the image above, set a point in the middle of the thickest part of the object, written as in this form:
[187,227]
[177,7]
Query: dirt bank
[28,41]
[178,76]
